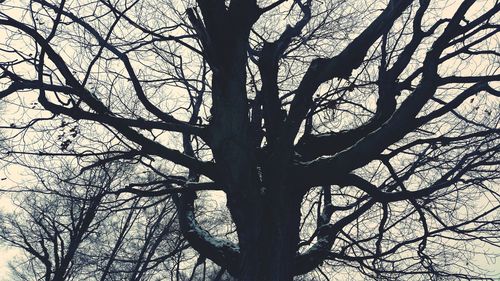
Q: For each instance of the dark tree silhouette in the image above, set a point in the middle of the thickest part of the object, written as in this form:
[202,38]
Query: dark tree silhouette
[344,134]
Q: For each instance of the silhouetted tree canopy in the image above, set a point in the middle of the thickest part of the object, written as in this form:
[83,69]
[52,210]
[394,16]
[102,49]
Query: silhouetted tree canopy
[251,140]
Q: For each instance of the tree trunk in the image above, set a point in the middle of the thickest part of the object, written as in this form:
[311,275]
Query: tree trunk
[268,248]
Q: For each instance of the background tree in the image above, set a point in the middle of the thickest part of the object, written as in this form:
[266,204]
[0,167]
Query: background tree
[81,227]
[79,230]
[342,133]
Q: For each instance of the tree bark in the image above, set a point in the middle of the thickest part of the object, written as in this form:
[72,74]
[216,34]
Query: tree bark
[268,248]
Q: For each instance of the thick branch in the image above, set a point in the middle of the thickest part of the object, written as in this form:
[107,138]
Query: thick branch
[268,64]
[340,66]
[324,170]
[222,252]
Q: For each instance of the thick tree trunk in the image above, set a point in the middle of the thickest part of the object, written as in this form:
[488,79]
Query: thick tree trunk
[268,248]
[266,214]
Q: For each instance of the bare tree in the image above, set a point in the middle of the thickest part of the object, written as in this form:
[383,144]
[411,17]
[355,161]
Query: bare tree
[344,134]
[79,230]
